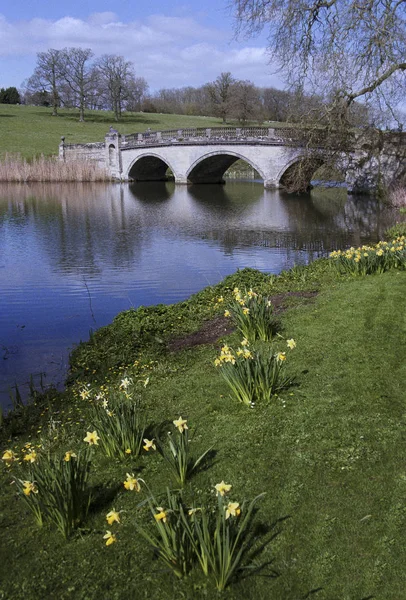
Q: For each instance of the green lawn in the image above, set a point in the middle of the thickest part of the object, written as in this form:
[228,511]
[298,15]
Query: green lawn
[328,452]
[31,130]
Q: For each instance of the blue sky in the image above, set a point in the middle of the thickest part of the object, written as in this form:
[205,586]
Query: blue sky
[172,44]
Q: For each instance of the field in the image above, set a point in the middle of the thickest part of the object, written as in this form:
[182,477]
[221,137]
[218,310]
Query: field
[31,130]
[328,451]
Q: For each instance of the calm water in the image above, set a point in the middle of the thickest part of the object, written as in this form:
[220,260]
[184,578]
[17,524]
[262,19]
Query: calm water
[73,256]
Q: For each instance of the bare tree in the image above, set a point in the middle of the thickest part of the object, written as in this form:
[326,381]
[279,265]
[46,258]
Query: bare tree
[47,76]
[137,88]
[346,49]
[220,93]
[79,75]
[115,75]
[245,101]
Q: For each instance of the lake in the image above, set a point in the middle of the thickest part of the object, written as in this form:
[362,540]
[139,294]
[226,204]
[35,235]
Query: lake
[74,255]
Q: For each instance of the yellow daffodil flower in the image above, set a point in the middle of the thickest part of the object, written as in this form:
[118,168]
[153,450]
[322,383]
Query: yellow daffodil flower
[246,311]
[128,451]
[180,424]
[28,487]
[222,488]
[233,510]
[84,394]
[68,455]
[217,362]
[31,456]
[131,483]
[220,300]
[105,404]
[245,342]
[110,538]
[291,343]
[161,515]
[113,517]
[281,356]
[8,457]
[252,294]
[149,444]
[91,438]
[227,313]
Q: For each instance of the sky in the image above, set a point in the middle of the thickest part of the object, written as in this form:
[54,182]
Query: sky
[171,44]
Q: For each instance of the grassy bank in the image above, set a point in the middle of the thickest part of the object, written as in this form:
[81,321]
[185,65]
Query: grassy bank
[327,450]
[32,131]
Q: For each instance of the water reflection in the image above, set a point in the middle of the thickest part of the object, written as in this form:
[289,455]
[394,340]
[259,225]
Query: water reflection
[72,256]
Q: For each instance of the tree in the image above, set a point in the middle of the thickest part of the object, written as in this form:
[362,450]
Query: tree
[136,90]
[115,74]
[346,49]
[9,95]
[78,74]
[46,77]
[220,93]
[245,101]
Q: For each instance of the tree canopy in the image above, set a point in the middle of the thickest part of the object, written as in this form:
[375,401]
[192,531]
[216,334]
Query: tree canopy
[345,49]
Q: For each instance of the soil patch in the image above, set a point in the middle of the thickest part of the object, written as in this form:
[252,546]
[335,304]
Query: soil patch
[218,327]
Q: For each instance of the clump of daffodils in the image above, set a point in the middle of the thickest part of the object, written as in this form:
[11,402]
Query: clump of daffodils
[367,260]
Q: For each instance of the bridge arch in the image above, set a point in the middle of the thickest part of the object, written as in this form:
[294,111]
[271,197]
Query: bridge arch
[210,167]
[296,174]
[149,167]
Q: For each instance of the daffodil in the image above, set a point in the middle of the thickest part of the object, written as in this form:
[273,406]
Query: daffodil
[252,294]
[131,483]
[180,424]
[68,455]
[110,538]
[227,313]
[222,488]
[8,457]
[128,451]
[245,342]
[91,438]
[149,444]
[281,356]
[28,487]
[233,510]
[220,300]
[291,343]
[84,394]
[246,311]
[125,383]
[113,517]
[161,514]
[105,404]
[31,456]
[192,511]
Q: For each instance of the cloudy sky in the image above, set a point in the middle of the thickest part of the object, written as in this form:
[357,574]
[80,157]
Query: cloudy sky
[172,44]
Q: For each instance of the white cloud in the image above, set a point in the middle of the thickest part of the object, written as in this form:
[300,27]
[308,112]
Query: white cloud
[167,51]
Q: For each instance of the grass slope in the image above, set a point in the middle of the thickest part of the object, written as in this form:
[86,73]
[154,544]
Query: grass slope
[328,452]
[31,130]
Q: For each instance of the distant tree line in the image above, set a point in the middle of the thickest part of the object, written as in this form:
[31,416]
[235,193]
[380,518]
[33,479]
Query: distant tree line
[72,77]
[230,98]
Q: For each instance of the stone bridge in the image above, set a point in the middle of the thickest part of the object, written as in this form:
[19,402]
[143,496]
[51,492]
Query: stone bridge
[200,155]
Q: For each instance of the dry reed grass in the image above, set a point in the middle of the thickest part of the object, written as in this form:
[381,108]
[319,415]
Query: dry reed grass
[397,197]
[15,169]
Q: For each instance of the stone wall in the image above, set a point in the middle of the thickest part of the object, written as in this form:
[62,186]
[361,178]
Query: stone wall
[95,153]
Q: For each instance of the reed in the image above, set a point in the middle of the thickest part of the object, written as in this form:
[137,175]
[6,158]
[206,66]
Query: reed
[14,168]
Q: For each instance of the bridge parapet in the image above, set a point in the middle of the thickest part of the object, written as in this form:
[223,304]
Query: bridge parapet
[210,135]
